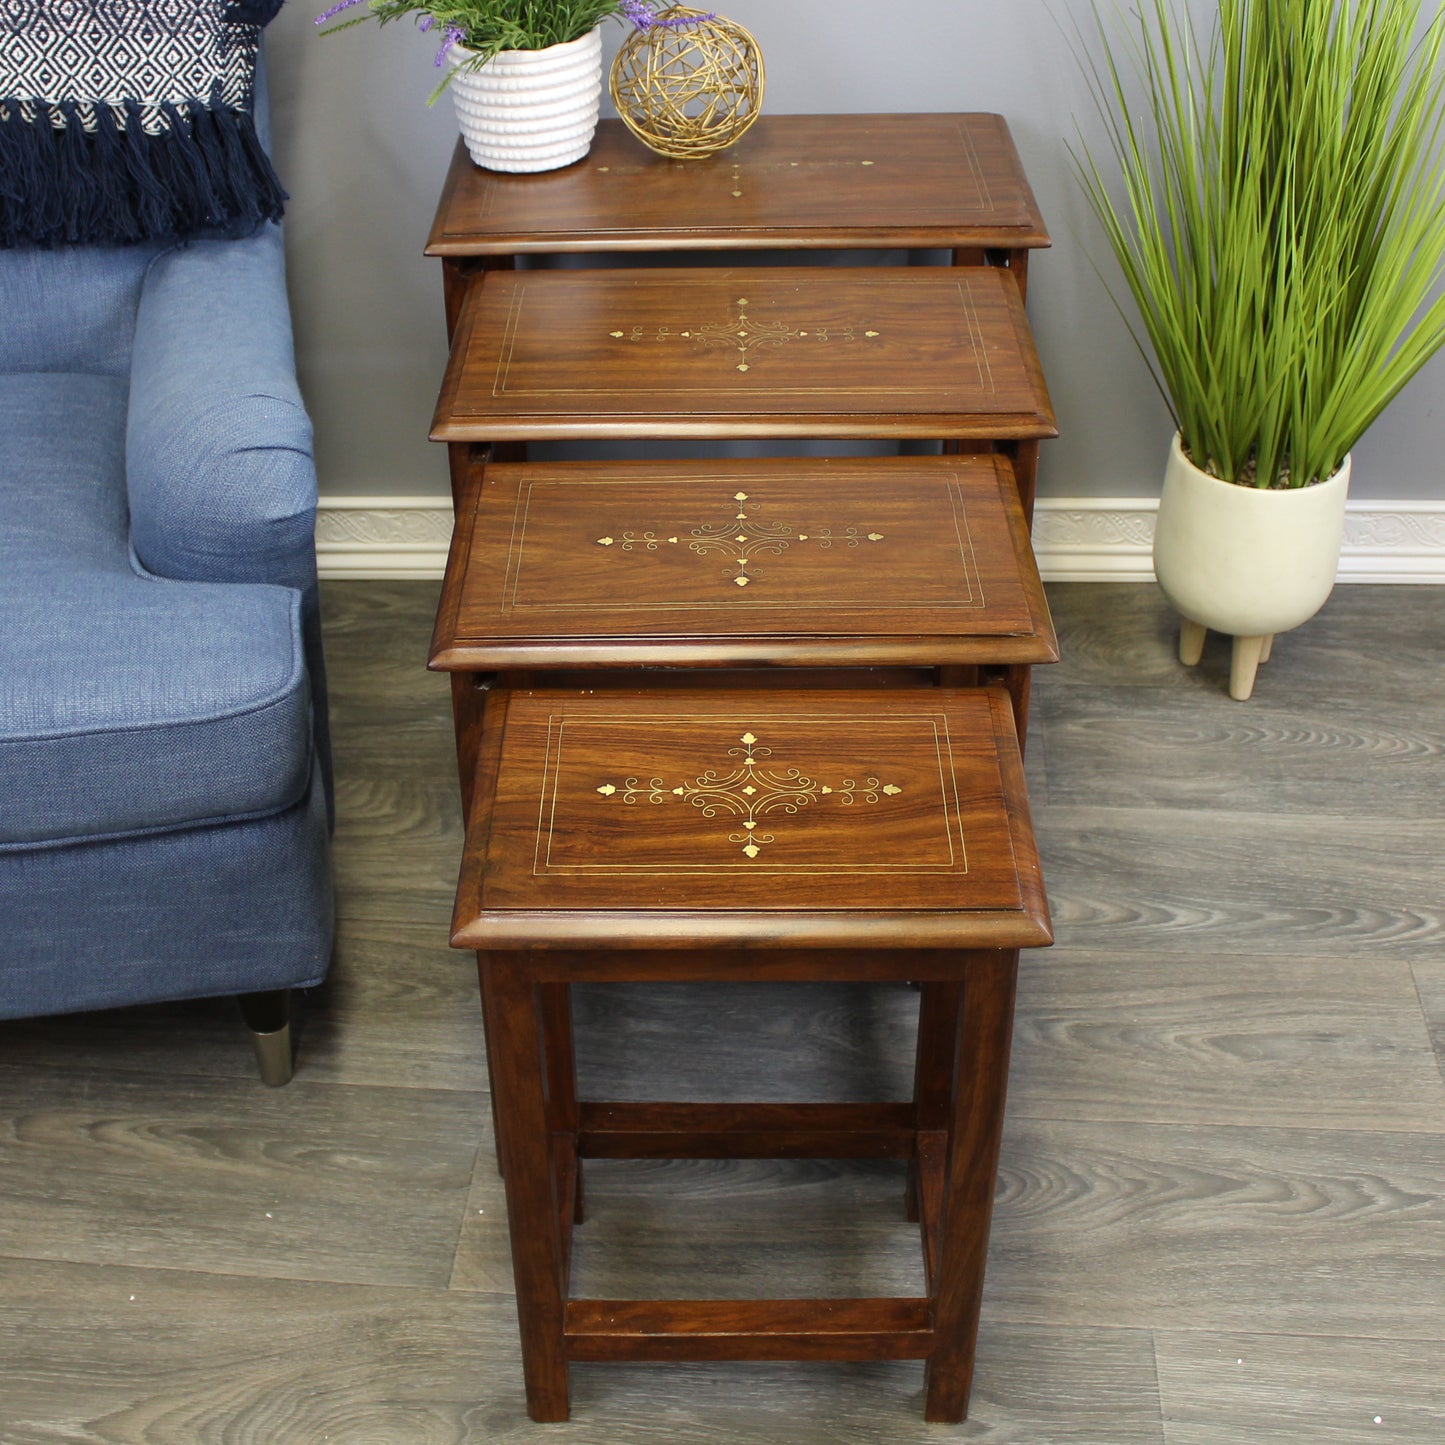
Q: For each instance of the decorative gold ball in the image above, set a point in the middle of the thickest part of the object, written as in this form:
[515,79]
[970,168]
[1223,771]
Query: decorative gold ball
[690,90]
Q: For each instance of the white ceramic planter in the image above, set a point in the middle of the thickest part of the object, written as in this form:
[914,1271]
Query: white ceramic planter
[530,110]
[1243,561]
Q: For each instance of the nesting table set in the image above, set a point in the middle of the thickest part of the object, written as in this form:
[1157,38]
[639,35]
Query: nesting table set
[747,719]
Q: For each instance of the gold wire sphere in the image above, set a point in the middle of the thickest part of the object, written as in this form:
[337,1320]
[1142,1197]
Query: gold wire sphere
[691,90]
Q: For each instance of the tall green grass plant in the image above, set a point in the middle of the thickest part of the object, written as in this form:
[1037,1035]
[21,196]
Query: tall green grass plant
[1278,215]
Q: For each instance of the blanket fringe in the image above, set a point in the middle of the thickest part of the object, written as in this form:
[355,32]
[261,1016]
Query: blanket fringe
[116,183]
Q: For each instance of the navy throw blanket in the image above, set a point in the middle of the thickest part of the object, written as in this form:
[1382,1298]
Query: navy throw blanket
[131,120]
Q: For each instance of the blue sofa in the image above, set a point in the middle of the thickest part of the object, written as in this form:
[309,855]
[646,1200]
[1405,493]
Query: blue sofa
[164,774]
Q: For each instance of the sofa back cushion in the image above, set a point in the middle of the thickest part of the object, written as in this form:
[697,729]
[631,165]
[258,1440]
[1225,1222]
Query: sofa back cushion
[70,308]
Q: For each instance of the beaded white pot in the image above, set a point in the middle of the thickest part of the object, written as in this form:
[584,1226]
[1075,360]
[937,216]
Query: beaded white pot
[530,110]
[1244,561]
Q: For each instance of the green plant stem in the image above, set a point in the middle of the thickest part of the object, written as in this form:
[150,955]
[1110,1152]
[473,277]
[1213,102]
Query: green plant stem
[1280,222]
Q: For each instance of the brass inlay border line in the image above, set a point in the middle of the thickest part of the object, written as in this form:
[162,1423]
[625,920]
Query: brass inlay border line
[974,601]
[712,794]
[512,325]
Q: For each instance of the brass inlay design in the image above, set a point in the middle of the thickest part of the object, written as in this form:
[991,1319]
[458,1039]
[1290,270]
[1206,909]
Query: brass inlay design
[745,335]
[750,792]
[742,537]
[737,172]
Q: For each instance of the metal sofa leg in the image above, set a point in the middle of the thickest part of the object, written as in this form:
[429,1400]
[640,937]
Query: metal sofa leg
[268,1016]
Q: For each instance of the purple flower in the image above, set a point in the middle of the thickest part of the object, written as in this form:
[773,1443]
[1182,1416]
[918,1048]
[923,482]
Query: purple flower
[454,36]
[426,22]
[335,10]
[644,17]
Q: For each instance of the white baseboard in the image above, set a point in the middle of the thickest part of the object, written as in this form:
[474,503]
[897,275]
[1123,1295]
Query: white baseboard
[1076,539]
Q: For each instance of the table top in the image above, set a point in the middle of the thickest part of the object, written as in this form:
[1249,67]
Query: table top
[803,562]
[677,819]
[794,181]
[728,353]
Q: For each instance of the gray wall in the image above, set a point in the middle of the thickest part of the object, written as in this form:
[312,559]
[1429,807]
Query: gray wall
[364,158]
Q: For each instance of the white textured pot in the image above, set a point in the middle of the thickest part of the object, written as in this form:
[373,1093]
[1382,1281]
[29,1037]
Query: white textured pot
[1244,561]
[530,110]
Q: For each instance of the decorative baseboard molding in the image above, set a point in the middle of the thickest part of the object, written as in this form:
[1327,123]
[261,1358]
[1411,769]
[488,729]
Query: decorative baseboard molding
[1078,539]
[377,537]
[1088,539]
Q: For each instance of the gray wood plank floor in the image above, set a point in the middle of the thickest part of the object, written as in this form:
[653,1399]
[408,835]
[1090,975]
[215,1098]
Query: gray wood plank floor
[1221,1212]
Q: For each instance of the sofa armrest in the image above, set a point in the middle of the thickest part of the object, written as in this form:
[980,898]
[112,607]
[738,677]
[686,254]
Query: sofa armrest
[219,469]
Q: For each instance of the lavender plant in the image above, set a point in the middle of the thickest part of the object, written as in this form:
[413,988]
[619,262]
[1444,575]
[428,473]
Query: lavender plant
[486,27]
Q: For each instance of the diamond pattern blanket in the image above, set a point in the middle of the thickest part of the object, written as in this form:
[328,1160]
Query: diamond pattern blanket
[131,120]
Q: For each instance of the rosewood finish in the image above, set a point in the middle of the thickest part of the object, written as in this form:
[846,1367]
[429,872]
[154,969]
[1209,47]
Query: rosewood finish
[837,181]
[796,826]
[725,353]
[720,720]
[790,563]
[802,819]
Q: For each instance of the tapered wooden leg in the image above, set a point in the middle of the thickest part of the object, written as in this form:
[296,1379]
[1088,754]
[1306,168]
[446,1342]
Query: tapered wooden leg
[524,1143]
[487,1032]
[556,1003]
[1024,458]
[1267,651]
[933,1071]
[1248,651]
[1191,641]
[984,1036]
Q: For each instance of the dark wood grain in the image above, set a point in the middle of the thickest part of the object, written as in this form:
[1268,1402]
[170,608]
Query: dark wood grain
[843,1329]
[591,836]
[725,353]
[835,181]
[906,561]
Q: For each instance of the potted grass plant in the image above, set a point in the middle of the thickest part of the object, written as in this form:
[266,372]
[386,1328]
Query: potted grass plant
[1272,190]
[525,75]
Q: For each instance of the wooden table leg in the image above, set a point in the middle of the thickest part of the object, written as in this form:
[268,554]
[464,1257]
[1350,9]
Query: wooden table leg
[933,1074]
[1024,455]
[558,1038]
[524,1144]
[984,1036]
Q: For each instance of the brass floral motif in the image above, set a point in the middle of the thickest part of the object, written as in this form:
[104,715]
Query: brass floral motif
[750,792]
[742,537]
[745,335]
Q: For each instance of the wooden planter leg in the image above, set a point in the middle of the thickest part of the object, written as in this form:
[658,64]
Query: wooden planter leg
[524,1145]
[1191,641]
[1248,654]
[984,1036]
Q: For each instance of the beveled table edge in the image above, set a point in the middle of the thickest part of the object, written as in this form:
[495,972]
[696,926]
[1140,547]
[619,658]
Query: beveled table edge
[739,423]
[761,650]
[1031,237]
[1028,926]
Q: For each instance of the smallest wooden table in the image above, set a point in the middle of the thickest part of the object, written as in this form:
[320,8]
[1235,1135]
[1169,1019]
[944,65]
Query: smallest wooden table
[686,835]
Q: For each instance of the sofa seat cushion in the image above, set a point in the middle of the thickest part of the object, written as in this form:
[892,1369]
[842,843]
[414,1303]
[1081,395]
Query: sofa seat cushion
[128,704]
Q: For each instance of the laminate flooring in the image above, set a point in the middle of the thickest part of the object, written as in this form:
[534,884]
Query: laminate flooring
[1221,1211]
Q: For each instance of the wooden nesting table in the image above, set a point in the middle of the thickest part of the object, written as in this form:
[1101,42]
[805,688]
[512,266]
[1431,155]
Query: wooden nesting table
[658,836]
[747,719]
